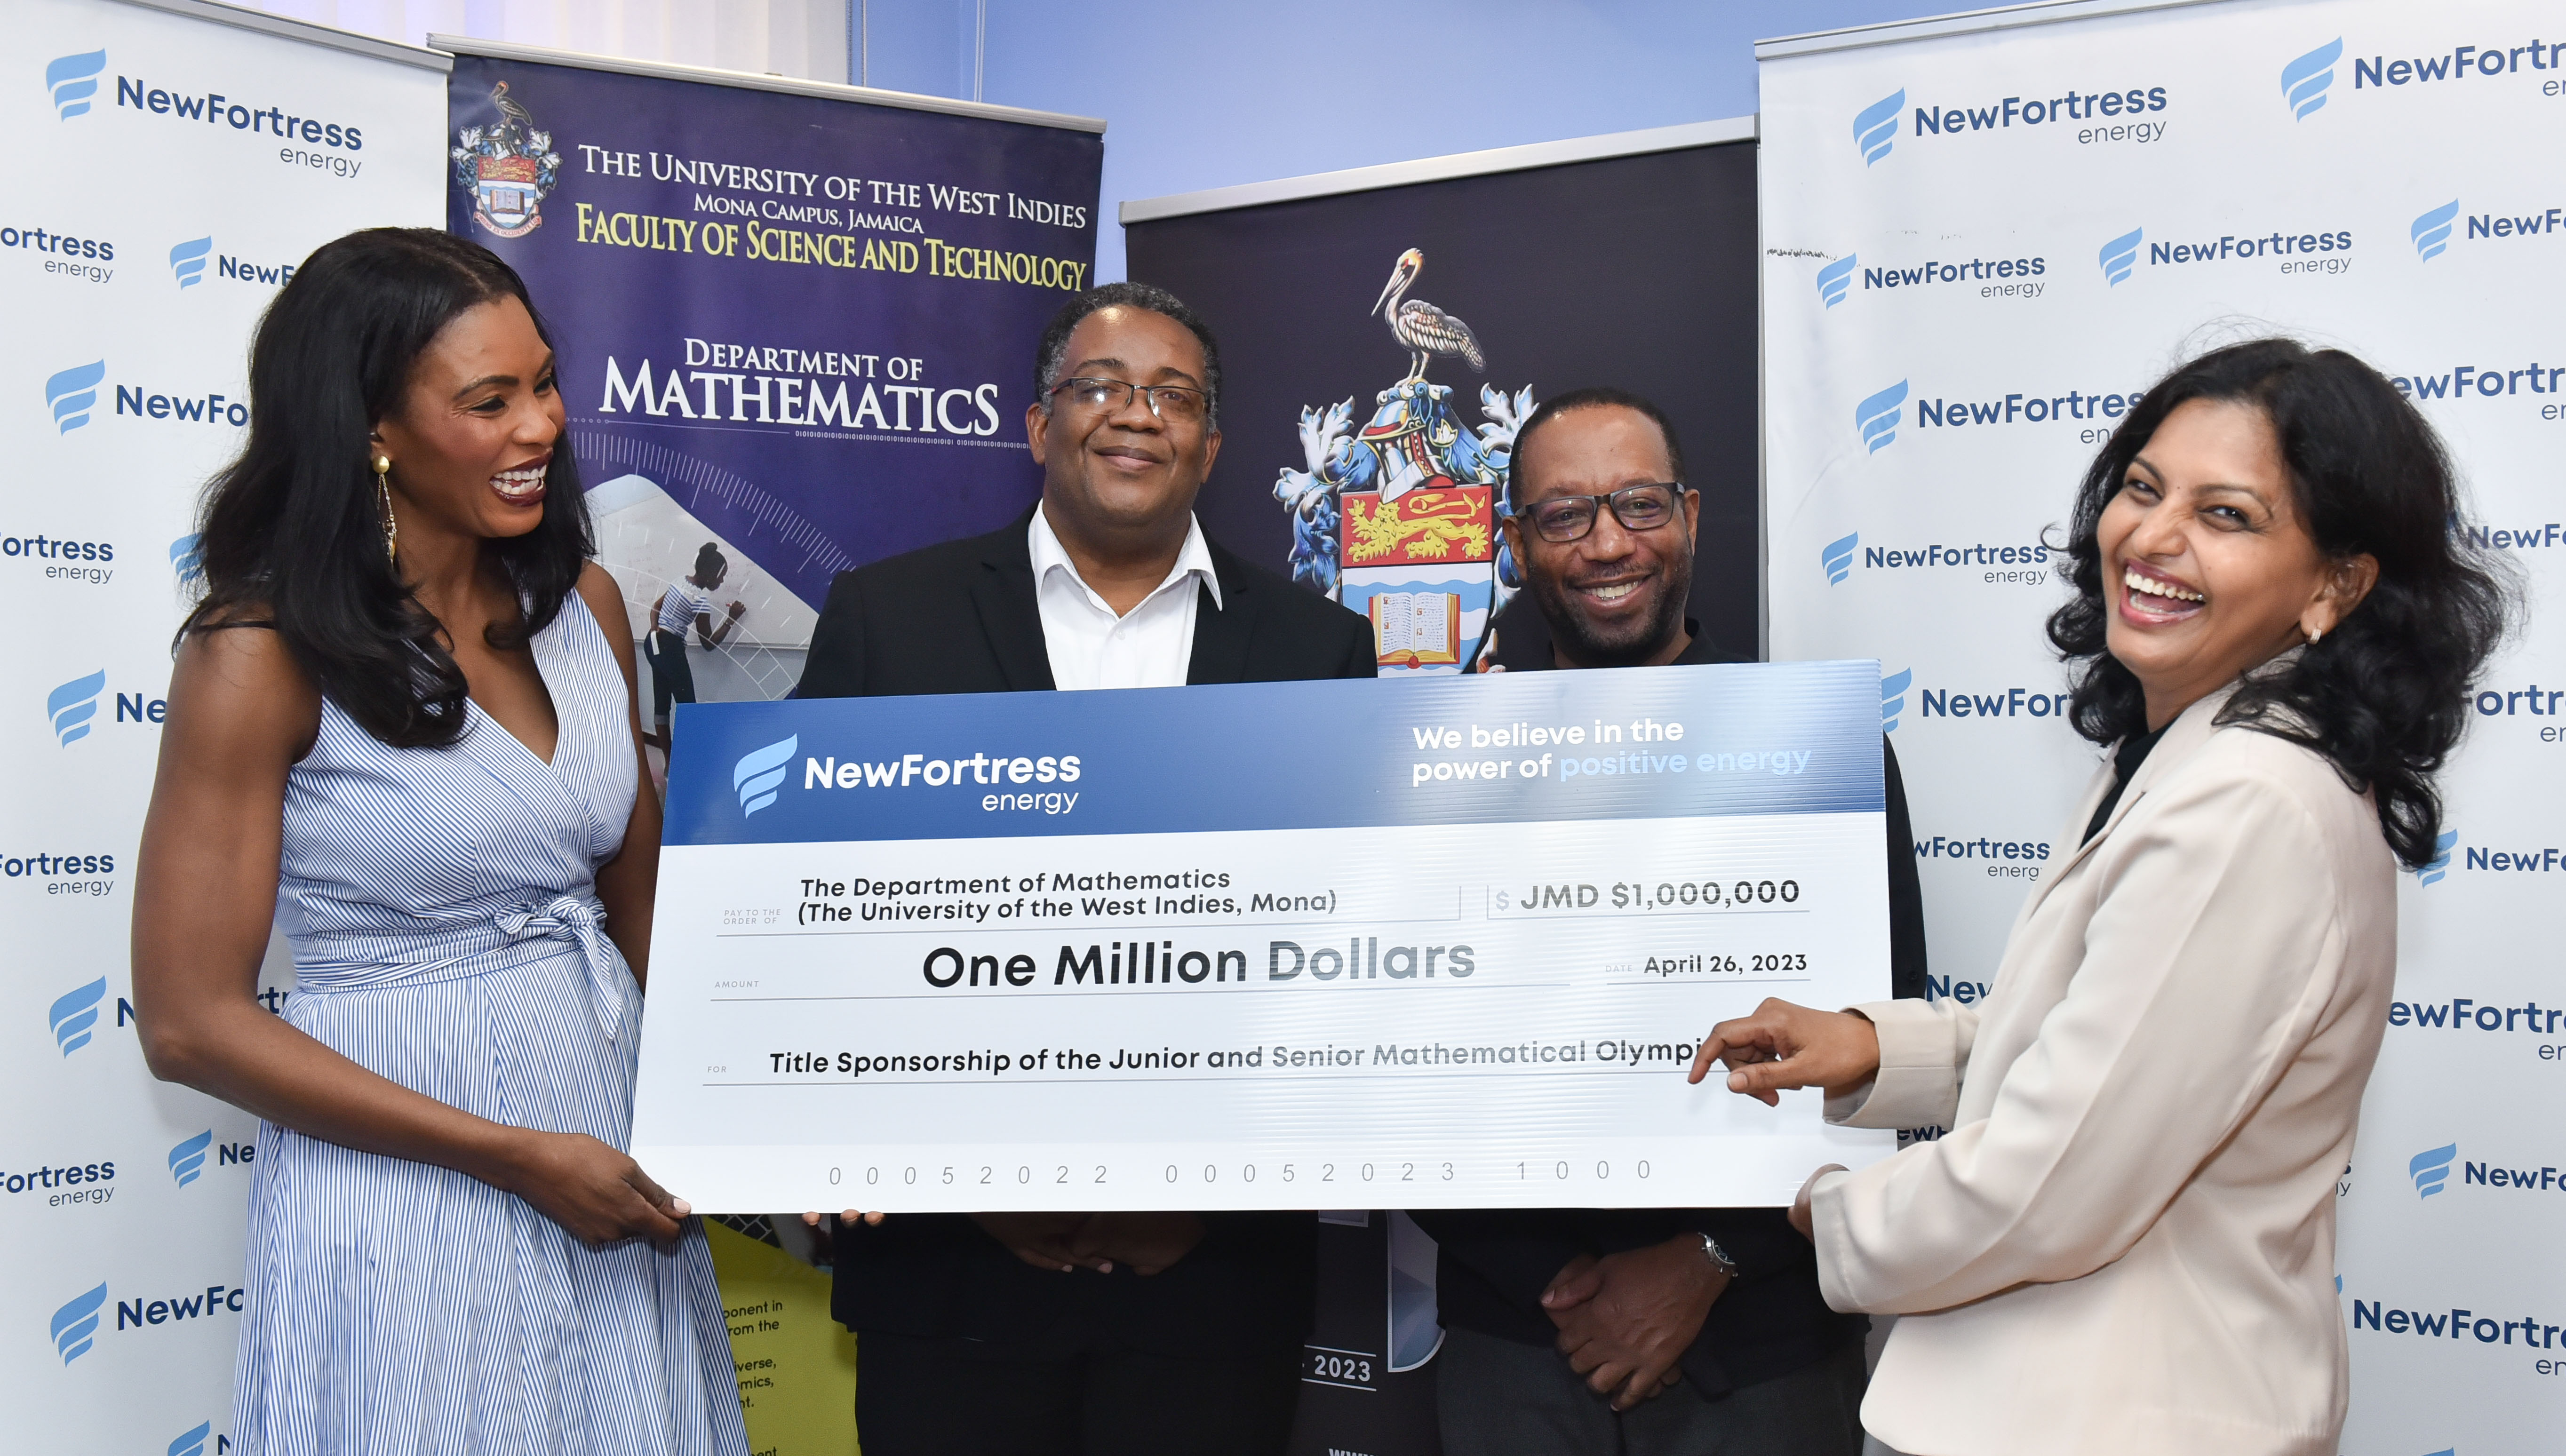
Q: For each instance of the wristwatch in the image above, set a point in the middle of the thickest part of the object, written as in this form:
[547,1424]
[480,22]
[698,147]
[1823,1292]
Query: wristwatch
[1718,1256]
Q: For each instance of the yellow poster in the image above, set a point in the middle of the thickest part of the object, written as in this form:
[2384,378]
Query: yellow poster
[797,1366]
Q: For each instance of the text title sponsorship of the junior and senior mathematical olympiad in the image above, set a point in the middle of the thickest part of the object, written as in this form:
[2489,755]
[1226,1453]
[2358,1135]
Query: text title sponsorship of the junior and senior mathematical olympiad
[1280,945]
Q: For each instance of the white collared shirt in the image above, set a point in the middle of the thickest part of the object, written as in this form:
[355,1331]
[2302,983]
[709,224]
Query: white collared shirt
[1151,645]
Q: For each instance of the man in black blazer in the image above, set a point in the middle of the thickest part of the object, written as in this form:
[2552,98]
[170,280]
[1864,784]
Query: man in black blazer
[1645,1331]
[1082,1334]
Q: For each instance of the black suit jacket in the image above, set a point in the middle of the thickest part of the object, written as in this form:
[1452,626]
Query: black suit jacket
[1493,1264]
[962,617]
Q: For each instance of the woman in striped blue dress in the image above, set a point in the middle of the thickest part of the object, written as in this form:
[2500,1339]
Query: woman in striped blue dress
[397,729]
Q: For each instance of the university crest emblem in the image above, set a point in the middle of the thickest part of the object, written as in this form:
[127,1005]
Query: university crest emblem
[507,167]
[1397,519]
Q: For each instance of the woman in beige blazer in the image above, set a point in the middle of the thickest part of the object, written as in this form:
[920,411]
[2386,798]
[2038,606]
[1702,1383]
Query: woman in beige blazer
[2125,1242]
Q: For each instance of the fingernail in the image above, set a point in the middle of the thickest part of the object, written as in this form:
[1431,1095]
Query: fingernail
[683,1206]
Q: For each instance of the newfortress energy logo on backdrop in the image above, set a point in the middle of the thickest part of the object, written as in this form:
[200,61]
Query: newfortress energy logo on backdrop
[2123,113]
[2431,1169]
[74,1014]
[2309,80]
[1992,564]
[188,260]
[75,1326]
[72,393]
[72,82]
[2433,229]
[72,708]
[2021,277]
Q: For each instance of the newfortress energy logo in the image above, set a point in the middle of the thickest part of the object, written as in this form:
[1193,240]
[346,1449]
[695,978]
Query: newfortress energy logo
[2431,1169]
[71,80]
[74,1016]
[2432,230]
[2304,81]
[2088,118]
[1877,417]
[2432,871]
[187,261]
[75,1324]
[2119,255]
[760,773]
[1875,127]
[1836,279]
[187,1159]
[73,393]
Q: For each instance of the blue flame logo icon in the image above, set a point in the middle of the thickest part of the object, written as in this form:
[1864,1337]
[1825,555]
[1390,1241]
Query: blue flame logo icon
[761,773]
[187,559]
[2431,231]
[193,1443]
[2432,871]
[1878,123]
[1892,698]
[2431,1169]
[75,1323]
[1837,558]
[2119,255]
[74,1014]
[1835,278]
[68,77]
[73,704]
[1877,417]
[187,261]
[2304,81]
[72,393]
[187,1159]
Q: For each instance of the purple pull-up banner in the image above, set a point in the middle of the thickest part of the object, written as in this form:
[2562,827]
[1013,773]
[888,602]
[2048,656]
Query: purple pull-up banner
[797,326]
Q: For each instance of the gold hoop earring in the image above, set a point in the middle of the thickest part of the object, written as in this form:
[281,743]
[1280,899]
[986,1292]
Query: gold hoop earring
[384,500]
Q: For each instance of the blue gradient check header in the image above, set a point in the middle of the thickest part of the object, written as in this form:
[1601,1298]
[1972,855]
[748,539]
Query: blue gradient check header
[1648,743]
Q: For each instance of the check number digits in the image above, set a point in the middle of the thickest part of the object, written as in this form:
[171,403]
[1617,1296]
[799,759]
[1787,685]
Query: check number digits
[1350,1170]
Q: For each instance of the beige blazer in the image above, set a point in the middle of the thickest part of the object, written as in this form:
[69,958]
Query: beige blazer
[2125,1243]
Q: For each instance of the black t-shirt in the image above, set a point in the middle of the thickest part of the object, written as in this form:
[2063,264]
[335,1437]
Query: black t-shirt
[2134,751]
[1494,1263]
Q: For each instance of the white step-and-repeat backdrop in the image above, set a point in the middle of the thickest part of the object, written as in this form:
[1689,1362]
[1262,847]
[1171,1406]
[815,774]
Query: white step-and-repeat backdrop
[172,164]
[1982,237]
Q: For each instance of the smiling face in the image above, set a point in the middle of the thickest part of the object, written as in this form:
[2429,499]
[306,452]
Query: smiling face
[2208,567]
[474,433]
[1614,598]
[1123,473]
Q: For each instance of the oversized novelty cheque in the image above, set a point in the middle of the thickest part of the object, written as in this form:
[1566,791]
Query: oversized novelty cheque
[1445,943]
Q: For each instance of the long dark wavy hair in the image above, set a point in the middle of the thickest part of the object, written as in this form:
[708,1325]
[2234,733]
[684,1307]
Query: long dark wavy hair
[2383,696]
[292,536]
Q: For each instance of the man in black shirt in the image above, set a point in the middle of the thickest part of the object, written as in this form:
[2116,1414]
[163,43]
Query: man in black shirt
[1641,1330]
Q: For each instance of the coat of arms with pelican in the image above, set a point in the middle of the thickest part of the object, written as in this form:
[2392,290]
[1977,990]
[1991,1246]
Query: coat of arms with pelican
[1396,519]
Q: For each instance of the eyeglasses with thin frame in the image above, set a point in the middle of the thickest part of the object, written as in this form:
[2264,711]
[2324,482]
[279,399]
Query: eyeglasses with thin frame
[1566,518]
[1171,403]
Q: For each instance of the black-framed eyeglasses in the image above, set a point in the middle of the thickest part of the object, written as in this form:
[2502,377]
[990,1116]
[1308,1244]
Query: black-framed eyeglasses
[1566,518]
[1172,403]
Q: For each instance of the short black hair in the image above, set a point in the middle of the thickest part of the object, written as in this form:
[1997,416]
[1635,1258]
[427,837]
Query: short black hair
[1596,397]
[1052,355]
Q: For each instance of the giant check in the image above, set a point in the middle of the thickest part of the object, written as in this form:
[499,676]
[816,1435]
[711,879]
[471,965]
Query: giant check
[1282,945]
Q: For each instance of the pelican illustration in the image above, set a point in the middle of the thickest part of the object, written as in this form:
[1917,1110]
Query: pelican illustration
[1423,328]
[512,108]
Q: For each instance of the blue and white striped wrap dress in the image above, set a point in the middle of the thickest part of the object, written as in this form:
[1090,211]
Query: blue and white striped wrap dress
[442,911]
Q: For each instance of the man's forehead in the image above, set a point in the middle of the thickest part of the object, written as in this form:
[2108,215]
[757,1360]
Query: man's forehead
[1122,340]
[1603,446]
